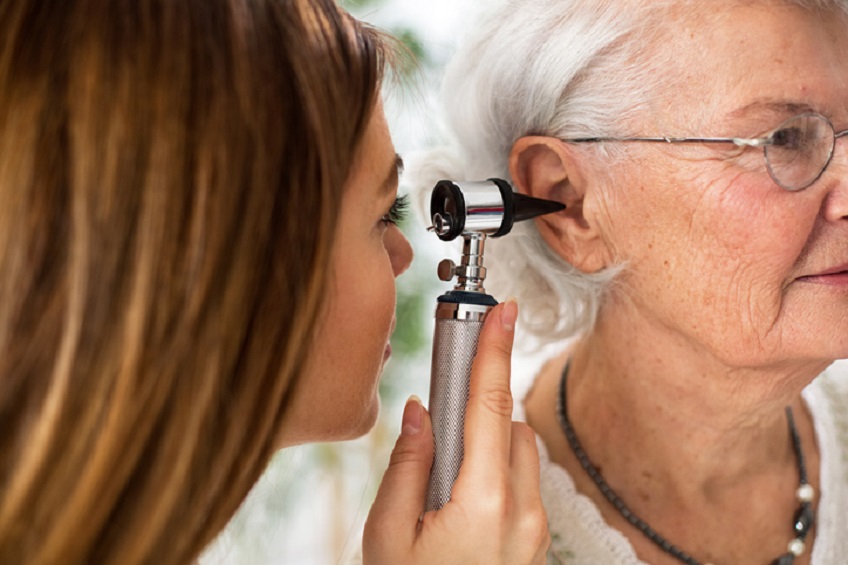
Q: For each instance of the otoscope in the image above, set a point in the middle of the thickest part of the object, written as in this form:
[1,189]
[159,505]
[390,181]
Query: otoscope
[473,210]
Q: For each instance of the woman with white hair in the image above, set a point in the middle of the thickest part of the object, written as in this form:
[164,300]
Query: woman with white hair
[700,266]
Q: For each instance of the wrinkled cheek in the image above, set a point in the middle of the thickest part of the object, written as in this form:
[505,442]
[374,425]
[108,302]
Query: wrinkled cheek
[749,305]
[726,306]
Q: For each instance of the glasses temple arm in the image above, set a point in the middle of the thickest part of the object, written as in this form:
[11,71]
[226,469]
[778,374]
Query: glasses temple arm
[739,141]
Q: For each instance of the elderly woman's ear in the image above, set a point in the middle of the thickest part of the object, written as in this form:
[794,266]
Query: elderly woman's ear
[545,167]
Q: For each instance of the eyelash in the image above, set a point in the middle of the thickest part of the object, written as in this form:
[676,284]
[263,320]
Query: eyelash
[398,212]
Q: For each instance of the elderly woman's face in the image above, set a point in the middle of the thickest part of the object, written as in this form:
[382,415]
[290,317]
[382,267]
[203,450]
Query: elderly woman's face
[717,252]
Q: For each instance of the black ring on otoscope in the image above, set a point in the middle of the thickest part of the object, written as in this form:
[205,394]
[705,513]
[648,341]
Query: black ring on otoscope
[508,207]
[443,190]
[465,297]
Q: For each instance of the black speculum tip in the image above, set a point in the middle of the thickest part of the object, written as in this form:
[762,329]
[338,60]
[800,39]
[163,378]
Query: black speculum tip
[520,207]
[527,207]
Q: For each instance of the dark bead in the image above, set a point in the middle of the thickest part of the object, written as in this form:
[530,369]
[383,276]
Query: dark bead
[786,559]
[804,519]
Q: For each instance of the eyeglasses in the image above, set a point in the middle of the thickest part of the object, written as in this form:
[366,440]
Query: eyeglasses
[796,152]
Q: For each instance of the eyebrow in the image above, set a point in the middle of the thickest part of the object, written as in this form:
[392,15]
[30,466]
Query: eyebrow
[390,181]
[774,107]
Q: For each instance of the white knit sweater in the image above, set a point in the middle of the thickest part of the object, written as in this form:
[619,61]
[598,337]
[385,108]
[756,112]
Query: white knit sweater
[581,537]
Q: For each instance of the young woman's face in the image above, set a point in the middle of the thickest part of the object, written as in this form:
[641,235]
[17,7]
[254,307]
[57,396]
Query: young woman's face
[337,397]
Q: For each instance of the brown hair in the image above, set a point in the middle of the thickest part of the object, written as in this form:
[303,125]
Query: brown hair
[169,180]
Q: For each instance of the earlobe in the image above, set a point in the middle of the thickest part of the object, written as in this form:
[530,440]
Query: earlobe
[545,167]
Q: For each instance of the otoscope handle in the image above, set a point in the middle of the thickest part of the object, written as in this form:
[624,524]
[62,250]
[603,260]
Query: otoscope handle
[459,321]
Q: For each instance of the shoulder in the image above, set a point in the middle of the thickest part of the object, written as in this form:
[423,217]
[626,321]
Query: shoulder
[827,399]
[831,389]
[579,534]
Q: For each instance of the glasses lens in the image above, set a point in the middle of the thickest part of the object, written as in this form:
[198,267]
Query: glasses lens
[799,151]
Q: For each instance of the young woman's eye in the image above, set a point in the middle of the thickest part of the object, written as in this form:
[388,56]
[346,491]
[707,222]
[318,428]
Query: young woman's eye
[398,212]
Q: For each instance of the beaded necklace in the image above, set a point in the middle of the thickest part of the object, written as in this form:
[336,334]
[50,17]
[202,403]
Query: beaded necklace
[805,493]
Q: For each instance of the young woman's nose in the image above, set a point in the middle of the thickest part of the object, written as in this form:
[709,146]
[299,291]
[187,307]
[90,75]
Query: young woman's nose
[400,251]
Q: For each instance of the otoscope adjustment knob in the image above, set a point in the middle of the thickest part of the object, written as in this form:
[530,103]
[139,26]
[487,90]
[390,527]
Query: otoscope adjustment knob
[446,270]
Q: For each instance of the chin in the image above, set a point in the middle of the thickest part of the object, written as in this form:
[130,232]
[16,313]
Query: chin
[357,425]
[339,424]
[369,418]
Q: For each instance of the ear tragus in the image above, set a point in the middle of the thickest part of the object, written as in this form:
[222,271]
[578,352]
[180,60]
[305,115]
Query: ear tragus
[546,167]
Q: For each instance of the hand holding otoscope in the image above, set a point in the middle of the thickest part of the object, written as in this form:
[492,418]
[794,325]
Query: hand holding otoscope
[495,514]
[472,210]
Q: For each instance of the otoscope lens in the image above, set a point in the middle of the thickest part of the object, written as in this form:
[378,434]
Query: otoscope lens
[447,201]
[449,206]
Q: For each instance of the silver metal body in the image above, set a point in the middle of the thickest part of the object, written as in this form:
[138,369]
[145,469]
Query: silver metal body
[470,272]
[484,207]
[457,331]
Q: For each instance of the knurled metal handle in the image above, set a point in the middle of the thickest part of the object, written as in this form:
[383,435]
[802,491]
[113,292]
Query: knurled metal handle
[454,348]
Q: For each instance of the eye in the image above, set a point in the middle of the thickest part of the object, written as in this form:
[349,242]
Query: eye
[789,138]
[805,136]
[398,212]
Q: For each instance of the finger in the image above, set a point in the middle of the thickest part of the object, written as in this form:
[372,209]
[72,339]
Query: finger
[524,465]
[400,498]
[532,522]
[488,416]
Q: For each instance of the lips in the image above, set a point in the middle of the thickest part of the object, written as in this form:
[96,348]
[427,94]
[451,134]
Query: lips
[837,275]
[841,269]
[388,351]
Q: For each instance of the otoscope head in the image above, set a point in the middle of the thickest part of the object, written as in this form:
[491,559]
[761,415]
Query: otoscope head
[486,207]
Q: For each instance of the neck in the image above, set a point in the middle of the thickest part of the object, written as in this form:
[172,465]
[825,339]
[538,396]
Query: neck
[679,414]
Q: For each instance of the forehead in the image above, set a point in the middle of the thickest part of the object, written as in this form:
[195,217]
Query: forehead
[743,57]
[375,153]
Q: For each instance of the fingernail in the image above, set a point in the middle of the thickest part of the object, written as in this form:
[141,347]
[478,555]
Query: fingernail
[509,313]
[413,416]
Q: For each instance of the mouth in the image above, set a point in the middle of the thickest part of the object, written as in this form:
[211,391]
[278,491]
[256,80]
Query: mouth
[836,275]
[387,352]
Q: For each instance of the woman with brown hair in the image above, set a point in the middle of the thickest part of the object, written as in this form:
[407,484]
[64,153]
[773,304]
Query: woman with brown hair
[197,263]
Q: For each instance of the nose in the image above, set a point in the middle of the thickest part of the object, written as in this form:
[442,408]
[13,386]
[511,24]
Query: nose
[400,251]
[835,206]
[836,201]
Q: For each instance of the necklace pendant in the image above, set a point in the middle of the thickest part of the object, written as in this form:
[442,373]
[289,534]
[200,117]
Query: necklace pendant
[804,519]
[785,559]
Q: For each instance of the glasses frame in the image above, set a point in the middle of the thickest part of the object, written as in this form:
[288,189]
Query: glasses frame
[765,141]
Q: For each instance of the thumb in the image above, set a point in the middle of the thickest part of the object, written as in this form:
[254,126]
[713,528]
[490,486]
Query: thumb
[400,499]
